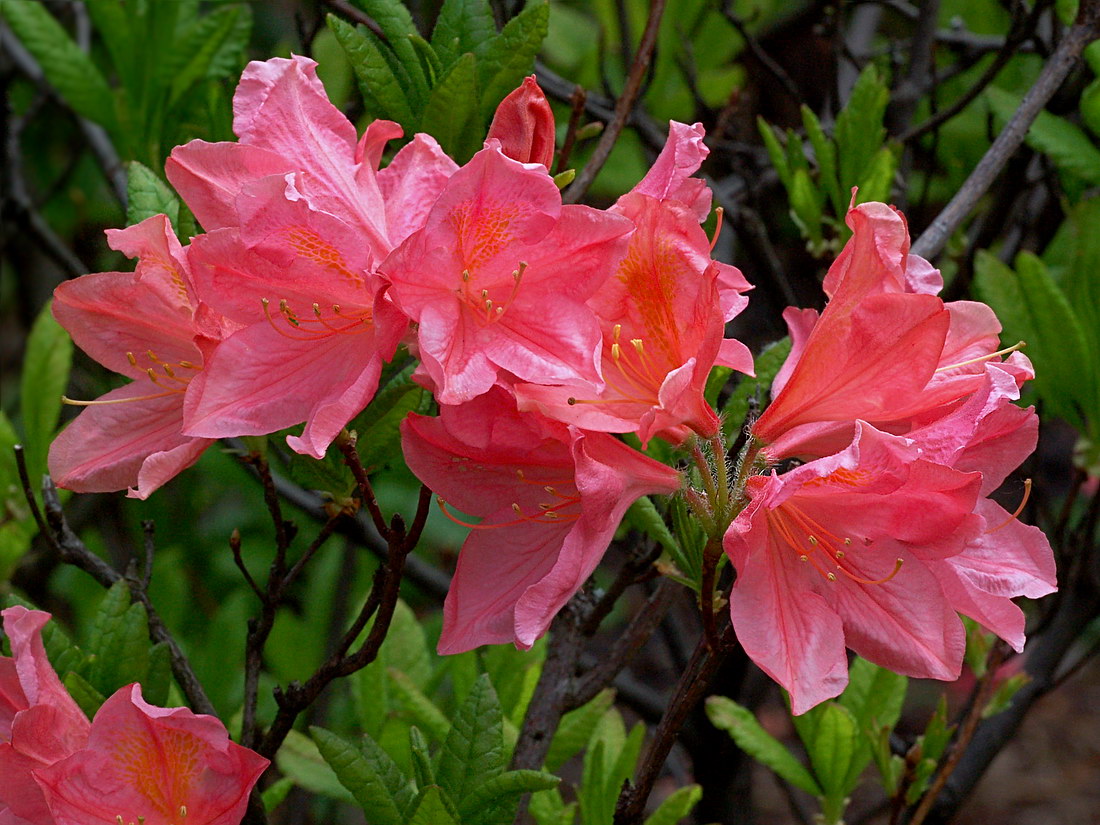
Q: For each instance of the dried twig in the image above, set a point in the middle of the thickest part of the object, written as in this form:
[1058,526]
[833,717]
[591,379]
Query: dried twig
[1065,57]
[623,106]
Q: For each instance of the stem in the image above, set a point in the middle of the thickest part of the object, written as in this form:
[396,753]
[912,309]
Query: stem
[623,106]
[1083,32]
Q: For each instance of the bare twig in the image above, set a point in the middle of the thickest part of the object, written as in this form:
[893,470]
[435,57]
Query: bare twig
[1065,57]
[346,444]
[577,101]
[623,106]
[966,732]
[353,14]
[55,529]
[766,60]
[628,643]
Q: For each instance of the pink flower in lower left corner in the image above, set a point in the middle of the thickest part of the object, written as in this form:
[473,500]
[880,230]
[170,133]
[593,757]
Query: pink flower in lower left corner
[39,722]
[550,498]
[154,766]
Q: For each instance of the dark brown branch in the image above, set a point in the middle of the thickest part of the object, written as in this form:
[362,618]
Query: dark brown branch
[626,645]
[1065,57]
[346,444]
[966,732]
[766,60]
[692,685]
[353,14]
[623,106]
[576,101]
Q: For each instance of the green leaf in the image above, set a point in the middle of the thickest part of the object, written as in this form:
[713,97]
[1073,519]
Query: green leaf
[451,111]
[768,364]
[383,93]
[68,69]
[495,801]
[859,131]
[1001,700]
[742,726]
[832,747]
[421,758]
[147,195]
[205,39]
[46,368]
[274,795]
[775,151]
[422,710]
[462,26]
[676,806]
[370,774]
[874,694]
[547,808]
[511,54]
[473,752]
[118,641]
[806,206]
[300,759]
[1065,143]
[1032,308]
[825,154]
[432,808]
[878,181]
[590,793]
[398,30]
[430,63]
[158,678]
[87,697]
[112,24]
[644,516]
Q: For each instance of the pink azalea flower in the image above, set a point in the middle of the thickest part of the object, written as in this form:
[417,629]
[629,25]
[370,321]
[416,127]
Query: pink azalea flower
[662,315]
[497,278]
[837,553]
[989,434]
[885,350]
[149,326]
[549,498]
[39,722]
[302,217]
[524,125]
[150,765]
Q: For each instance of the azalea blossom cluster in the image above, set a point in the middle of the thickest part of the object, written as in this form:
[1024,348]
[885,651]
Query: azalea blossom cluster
[894,418]
[133,763]
[544,329]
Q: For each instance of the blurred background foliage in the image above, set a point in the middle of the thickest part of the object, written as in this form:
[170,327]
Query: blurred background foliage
[802,101]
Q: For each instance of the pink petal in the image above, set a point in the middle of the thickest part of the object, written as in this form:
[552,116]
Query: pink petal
[110,314]
[260,380]
[209,176]
[524,125]
[996,614]
[1009,558]
[144,761]
[411,183]
[136,443]
[789,631]
[670,176]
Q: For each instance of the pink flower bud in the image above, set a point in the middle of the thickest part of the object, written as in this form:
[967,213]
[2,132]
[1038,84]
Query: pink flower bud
[524,125]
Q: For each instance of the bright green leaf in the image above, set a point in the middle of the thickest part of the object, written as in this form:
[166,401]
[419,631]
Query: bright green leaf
[46,368]
[859,131]
[422,709]
[68,69]
[147,195]
[576,729]
[370,774]
[473,752]
[676,806]
[511,55]
[300,759]
[462,26]
[433,808]
[383,93]
[741,724]
[495,801]
[450,115]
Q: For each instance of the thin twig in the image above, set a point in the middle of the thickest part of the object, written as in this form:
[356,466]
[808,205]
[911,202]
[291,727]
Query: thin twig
[626,645]
[55,529]
[576,101]
[353,14]
[1016,36]
[1065,57]
[966,732]
[346,444]
[766,60]
[623,106]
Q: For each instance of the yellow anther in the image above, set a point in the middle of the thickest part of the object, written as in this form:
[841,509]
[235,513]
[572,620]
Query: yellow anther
[638,346]
[168,371]
[152,355]
[831,576]
[130,357]
[615,351]
[616,330]
[465,275]
[484,293]
[839,555]
[813,540]
[550,490]
[803,558]
[317,309]
[550,514]
[847,542]
[520,475]
[517,509]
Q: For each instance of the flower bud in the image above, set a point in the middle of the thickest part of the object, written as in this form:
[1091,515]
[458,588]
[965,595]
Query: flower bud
[524,125]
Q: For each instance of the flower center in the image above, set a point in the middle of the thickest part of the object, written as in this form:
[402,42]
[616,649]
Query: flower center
[631,372]
[481,302]
[558,508]
[316,323]
[817,546]
[172,376]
